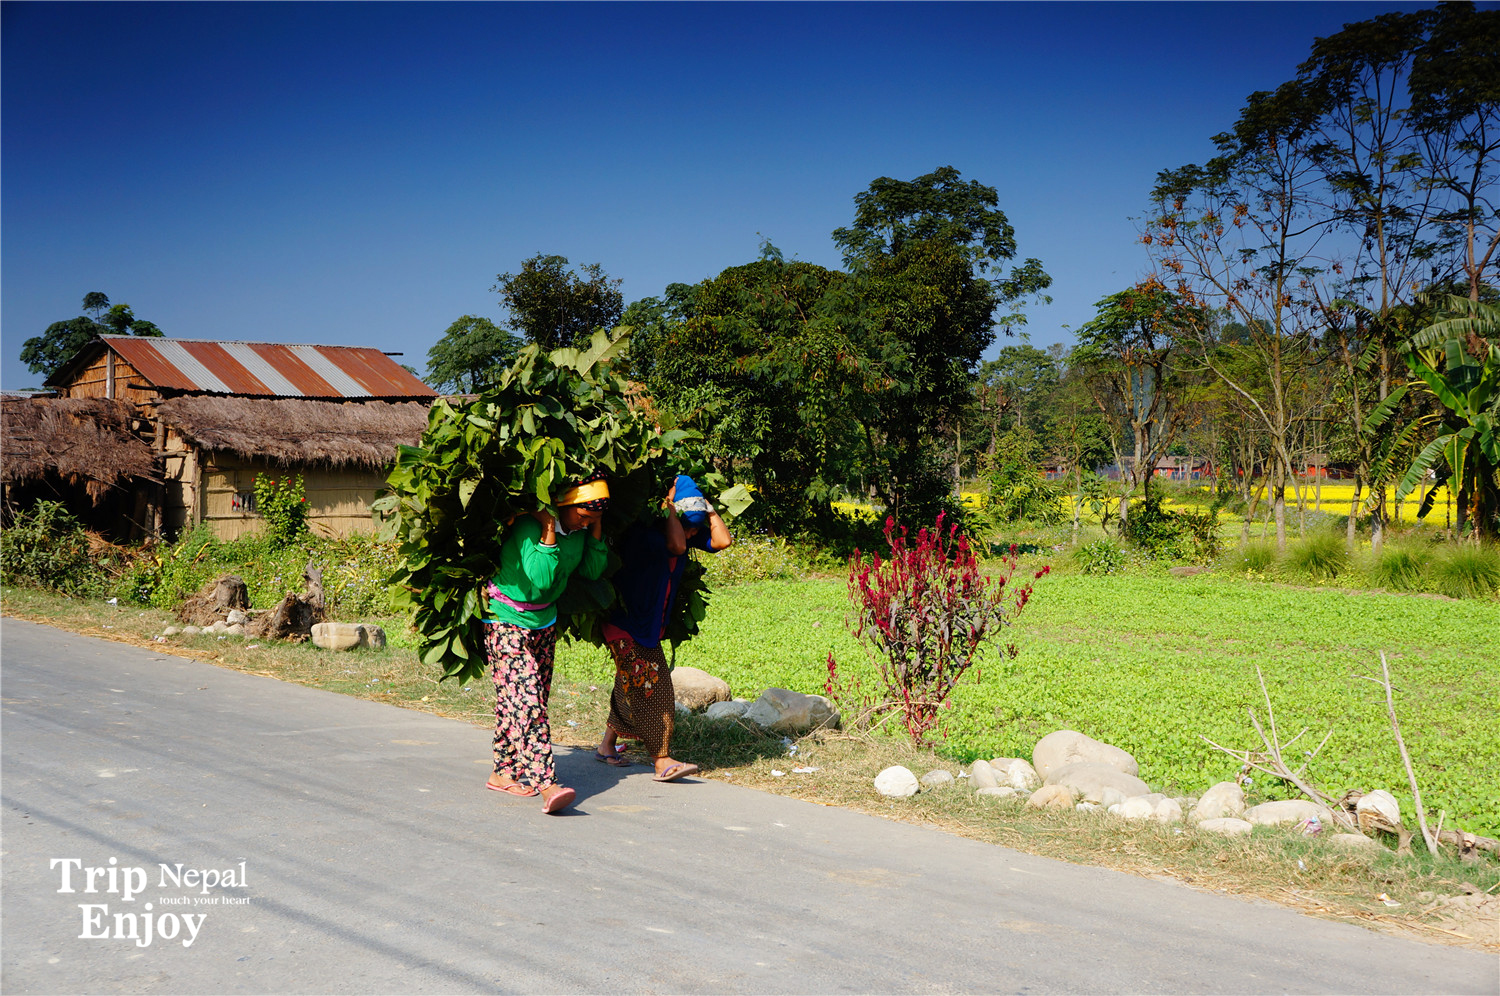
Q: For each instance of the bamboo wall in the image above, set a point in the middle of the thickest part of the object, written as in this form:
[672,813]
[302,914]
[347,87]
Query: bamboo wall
[217,489]
[109,376]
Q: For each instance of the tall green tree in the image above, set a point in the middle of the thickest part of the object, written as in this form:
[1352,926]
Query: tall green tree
[472,356]
[553,306]
[1126,355]
[750,361]
[46,353]
[925,257]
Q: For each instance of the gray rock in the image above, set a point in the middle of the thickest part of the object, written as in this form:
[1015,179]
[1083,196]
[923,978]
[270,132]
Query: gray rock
[697,689]
[1017,773]
[347,636]
[1379,803]
[937,778]
[1111,797]
[897,782]
[1051,797]
[1224,799]
[733,709]
[998,792]
[236,617]
[792,713]
[191,630]
[1138,808]
[173,631]
[235,629]
[1088,807]
[1354,842]
[982,776]
[1168,811]
[1287,811]
[218,627]
[1089,779]
[1226,825]
[1064,747]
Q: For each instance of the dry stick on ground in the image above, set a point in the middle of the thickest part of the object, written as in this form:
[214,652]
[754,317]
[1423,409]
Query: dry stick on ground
[1275,765]
[1411,777]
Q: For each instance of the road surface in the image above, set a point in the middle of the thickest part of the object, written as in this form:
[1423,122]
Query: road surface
[291,840]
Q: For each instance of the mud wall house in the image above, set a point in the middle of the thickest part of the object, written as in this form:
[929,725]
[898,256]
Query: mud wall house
[217,414]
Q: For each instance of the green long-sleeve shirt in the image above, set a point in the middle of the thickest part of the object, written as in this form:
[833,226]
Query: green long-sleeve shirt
[536,574]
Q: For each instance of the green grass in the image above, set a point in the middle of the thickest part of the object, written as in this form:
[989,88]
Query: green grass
[1152,663]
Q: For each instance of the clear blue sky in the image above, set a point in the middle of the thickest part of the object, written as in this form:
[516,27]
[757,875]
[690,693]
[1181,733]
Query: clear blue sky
[357,174]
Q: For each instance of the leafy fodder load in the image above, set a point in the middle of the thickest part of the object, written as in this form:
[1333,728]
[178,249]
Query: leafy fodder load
[551,420]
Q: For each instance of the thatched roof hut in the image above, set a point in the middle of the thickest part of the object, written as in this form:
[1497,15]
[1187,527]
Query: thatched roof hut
[294,431]
[84,441]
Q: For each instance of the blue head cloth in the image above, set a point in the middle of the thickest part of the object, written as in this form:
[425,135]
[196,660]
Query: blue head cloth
[691,504]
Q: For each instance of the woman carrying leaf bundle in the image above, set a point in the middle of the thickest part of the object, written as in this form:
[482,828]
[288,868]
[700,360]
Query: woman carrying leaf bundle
[643,704]
[538,557]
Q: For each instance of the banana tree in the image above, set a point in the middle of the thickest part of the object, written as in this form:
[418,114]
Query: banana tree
[1465,453]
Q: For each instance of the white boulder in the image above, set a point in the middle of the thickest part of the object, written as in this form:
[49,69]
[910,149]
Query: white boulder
[1224,799]
[1064,747]
[1090,779]
[897,782]
[1226,825]
[733,709]
[1287,811]
[1017,773]
[791,712]
[697,689]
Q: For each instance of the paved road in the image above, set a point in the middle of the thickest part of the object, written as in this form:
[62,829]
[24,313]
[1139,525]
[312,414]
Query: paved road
[373,861]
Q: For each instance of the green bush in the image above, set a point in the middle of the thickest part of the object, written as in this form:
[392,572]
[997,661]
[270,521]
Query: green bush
[755,558]
[283,504]
[164,577]
[1464,570]
[1100,557]
[355,574]
[47,547]
[1257,556]
[1320,557]
[1155,531]
[1402,566]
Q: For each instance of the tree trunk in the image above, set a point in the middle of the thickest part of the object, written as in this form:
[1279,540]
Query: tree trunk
[1353,523]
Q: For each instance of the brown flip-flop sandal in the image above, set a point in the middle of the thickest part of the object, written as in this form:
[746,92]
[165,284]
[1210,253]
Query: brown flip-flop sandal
[618,761]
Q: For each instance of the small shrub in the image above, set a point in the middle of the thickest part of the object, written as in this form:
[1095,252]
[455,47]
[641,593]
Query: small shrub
[1157,532]
[924,615]
[1401,566]
[1255,557]
[757,558]
[283,504]
[169,574]
[47,547]
[1464,570]
[1321,557]
[1100,557]
[354,580]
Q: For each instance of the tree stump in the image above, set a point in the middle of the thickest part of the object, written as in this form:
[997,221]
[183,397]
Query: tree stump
[293,619]
[213,602]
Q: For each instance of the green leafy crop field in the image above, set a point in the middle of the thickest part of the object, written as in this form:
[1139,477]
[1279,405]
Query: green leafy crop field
[1150,662]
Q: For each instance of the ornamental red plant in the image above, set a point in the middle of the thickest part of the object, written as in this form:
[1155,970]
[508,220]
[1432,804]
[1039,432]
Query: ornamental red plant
[924,614]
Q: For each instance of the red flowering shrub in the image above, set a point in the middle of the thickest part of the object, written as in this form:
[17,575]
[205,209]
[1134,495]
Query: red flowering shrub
[924,614]
[283,504]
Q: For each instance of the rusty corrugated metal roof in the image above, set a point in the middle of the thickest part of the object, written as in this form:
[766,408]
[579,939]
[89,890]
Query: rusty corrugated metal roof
[267,369]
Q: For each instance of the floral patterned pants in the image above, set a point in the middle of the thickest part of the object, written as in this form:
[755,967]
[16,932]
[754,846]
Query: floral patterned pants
[521,665]
[642,705]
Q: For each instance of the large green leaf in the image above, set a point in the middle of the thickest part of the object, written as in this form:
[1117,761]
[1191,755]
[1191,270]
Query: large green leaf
[484,462]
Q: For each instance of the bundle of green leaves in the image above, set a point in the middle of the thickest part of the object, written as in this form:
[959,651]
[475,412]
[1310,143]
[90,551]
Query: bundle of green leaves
[551,420]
